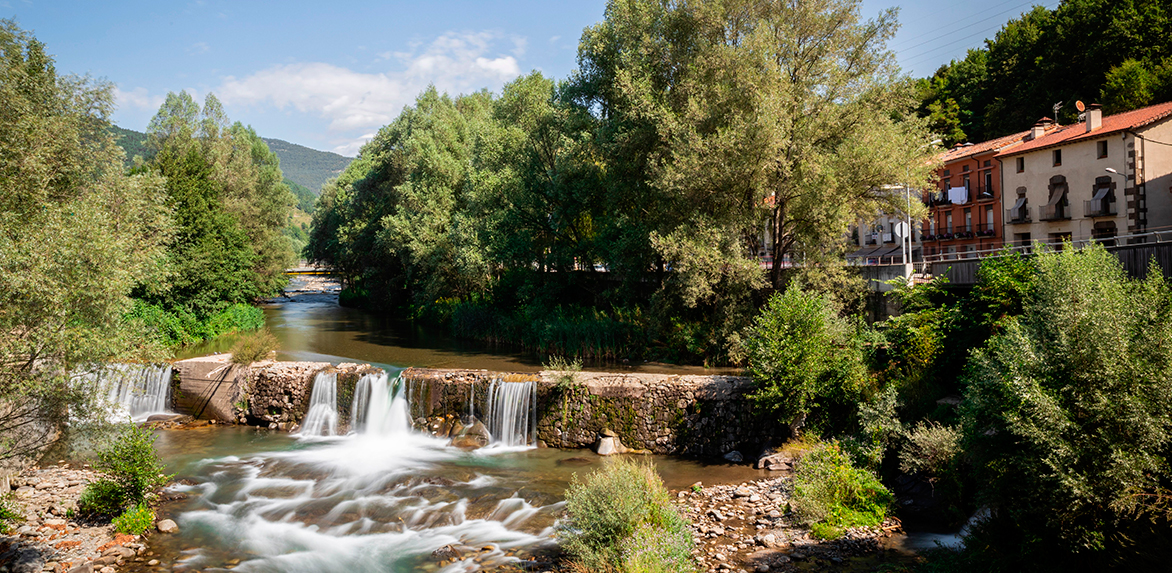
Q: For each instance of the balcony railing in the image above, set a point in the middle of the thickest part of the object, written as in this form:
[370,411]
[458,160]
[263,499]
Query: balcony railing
[1099,208]
[1018,216]
[1053,212]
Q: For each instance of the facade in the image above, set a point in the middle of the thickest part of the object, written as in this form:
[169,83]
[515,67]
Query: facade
[1098,179]
[964,212]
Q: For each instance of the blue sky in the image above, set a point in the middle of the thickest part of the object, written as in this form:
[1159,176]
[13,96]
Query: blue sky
[328,75]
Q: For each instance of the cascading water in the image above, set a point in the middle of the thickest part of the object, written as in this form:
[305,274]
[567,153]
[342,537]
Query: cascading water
[134,390]
[380,406]
[381,499]
[322,418]
[512,415]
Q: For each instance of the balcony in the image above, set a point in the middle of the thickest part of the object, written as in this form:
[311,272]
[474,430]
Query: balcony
[1018,216]
[1058,212]
[1100,208]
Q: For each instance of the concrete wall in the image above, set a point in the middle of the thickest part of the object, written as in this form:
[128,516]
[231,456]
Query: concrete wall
[1156,163]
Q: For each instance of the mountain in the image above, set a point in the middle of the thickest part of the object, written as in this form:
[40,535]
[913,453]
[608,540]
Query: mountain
[307,167]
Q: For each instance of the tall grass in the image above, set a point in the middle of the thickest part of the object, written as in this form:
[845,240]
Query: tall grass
[620,519]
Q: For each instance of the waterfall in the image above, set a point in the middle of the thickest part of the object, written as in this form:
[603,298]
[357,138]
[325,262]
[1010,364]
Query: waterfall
[134,390]
[380,406]
[512,412]
[322,418]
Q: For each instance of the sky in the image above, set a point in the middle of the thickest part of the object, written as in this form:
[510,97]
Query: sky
[329,75]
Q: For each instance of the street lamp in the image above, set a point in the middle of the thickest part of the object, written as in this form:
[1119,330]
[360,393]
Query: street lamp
[909,265]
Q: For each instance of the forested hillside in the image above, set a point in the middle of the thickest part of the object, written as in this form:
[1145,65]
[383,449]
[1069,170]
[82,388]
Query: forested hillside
[307,167]
[1114,52]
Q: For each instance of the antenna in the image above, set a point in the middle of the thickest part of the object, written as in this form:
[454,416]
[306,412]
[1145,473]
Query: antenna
[1080,106]
[1057,107]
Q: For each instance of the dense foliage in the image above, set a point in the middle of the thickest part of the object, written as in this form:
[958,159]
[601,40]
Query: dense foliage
[636,195]
[621,519]
[1069,415]
[132,474]
[309,168]
[1115,52]
[76,235]
[831,494]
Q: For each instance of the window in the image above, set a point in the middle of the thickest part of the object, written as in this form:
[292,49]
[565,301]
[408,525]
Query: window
[948,223]
[989,219]
[989,182]
[1022,239]
[947,172]
[1020,164]
[1057,157]
[1102,149]
[988,162]
[965,169]
[968,220]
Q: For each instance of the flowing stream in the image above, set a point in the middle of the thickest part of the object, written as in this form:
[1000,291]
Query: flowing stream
[133,390]
[322,417]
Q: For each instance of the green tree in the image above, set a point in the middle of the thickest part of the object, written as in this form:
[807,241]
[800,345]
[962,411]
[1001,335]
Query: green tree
[1068,415]
[807,361]
[230,202]
[76,235]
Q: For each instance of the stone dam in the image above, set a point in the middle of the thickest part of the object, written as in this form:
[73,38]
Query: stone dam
[656,413]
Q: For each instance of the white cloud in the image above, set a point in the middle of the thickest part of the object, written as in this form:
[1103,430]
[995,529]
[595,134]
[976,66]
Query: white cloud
[198,48]
[137,98]
[355,102]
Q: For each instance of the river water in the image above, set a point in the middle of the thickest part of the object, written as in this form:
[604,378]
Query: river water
[312,326]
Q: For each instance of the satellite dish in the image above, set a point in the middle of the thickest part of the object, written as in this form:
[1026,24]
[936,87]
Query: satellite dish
[1080,106]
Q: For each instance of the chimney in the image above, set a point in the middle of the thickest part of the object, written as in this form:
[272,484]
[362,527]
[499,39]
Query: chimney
[1039,128]
[1094,117]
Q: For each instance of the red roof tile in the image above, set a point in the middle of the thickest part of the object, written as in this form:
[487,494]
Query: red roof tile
[1111,124]
[998,144]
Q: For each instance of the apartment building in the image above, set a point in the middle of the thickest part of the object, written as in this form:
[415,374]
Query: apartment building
[964,211]
[1098,179]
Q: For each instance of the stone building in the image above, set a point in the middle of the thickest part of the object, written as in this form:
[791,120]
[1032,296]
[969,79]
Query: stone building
[1101,178]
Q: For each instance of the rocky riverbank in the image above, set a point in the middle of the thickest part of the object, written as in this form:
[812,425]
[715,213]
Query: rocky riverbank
[51,538]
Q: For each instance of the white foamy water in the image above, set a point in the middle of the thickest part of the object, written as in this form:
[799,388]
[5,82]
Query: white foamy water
[131,390]
[380,499]
[512,417]
[322,417]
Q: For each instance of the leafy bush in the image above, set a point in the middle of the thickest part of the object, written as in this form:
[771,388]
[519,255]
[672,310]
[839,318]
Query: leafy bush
[9,513]
[930,449]
[179,326]
[102,498]
[565,371]
[879,426]
[1068,414]
[806,360]
[621,518]
[832,494]
[133,466]
[136,520]
[253,347]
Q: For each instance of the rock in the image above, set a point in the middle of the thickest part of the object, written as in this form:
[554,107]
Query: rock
[762,568]
[106,569]
[608,433]
[610,446]
[121,552]
[446,552]
[734,457]
[754,498]
[720,557]
[83,568]
[470,437]
[153,562]
[167,526]
[775,462]
[742,491]
[28,561]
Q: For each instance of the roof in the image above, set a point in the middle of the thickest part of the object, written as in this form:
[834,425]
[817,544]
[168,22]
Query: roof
[1127,120]
[998,144]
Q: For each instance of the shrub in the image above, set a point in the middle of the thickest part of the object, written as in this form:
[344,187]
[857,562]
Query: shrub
[136,520]
[831,493]
[806,360]
[930,450]
[9,513]
[1067,413]
[102,498]
[253,347]
[621,518]
[565,371]
[133,466]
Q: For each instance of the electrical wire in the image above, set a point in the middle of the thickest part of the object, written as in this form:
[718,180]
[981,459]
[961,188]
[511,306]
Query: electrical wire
[926,56]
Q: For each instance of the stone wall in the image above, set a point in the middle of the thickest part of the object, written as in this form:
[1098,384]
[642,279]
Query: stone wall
[699,415]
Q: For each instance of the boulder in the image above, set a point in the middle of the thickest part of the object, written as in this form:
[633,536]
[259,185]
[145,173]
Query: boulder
[734,457]
[610,445]
[167,526]
[776,462]
[471,437]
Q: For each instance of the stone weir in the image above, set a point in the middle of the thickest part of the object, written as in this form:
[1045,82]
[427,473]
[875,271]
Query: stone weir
[657,413]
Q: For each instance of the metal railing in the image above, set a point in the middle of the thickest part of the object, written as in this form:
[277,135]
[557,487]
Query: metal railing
[1099,208]
[1018,216]
[1158,236]
[1054,212]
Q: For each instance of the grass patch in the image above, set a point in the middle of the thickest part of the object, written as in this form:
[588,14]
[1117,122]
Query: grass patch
[253,347]
[831,494]
[621,519]
[9,513]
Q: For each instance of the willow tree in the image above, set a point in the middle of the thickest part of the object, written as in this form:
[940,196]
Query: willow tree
[76,235]
[785,117]
[230,202]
